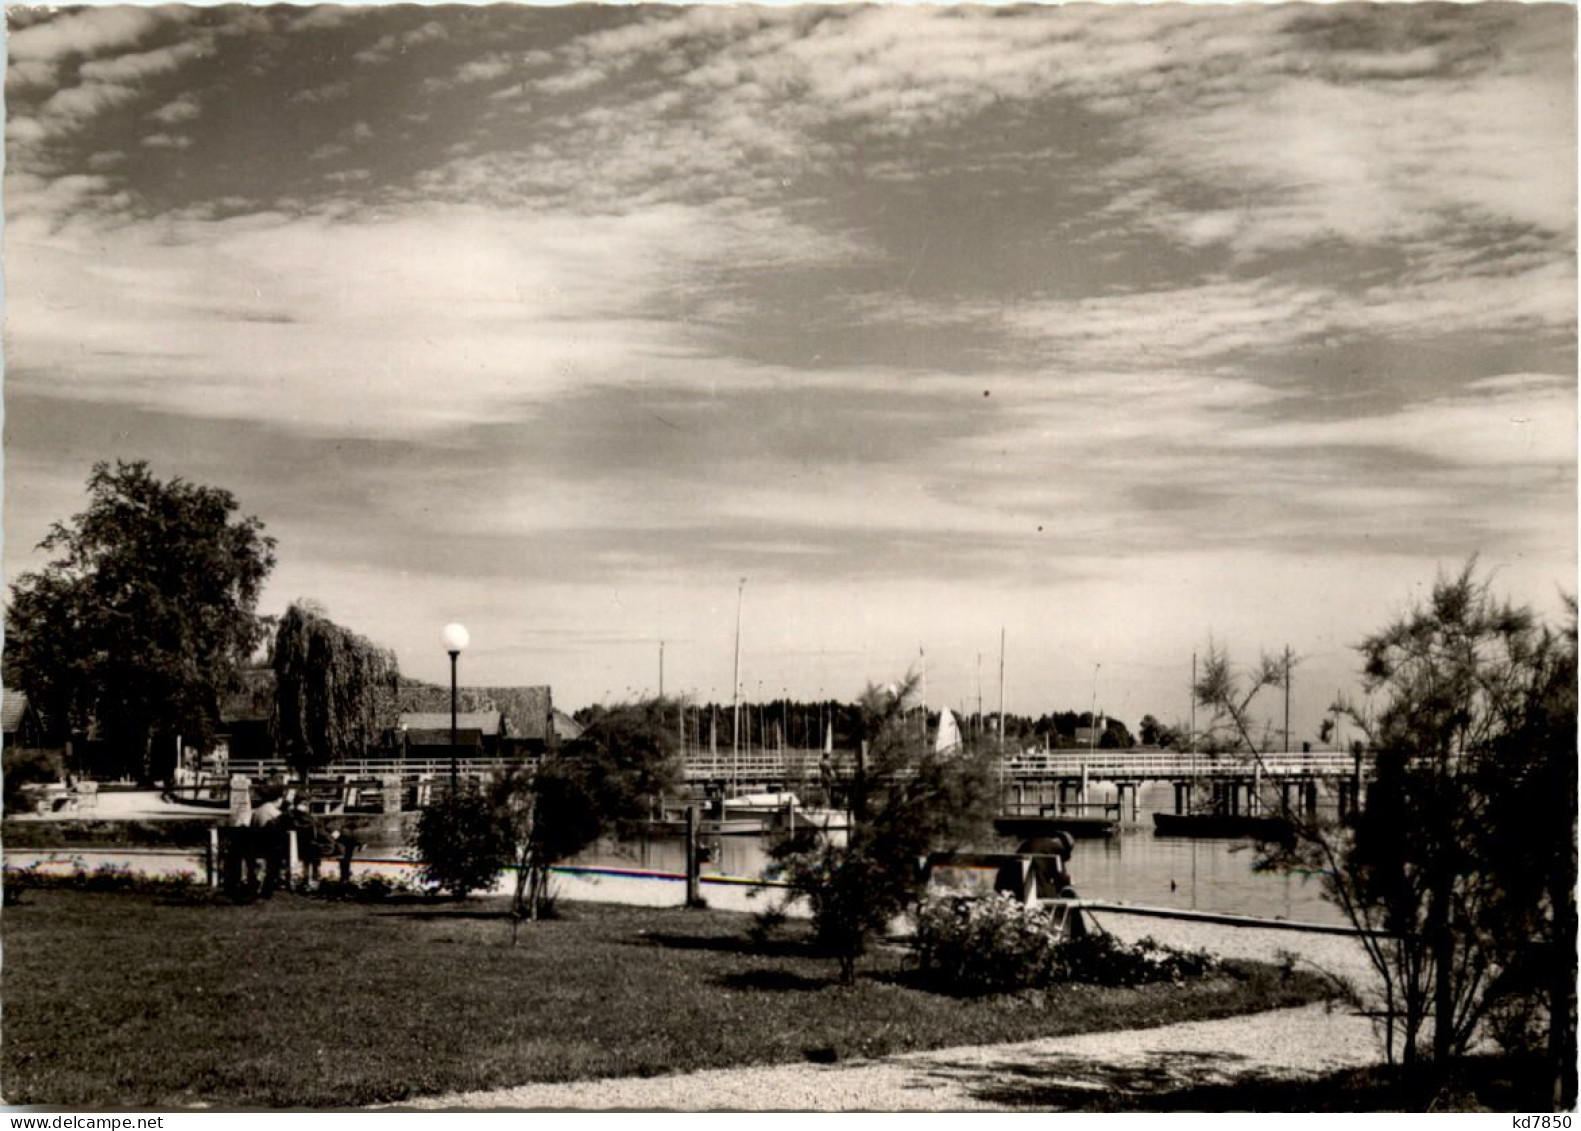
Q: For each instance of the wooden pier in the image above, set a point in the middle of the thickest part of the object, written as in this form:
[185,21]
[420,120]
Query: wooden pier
[1034,783]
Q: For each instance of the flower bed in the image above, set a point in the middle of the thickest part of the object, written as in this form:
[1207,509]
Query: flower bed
[998,944]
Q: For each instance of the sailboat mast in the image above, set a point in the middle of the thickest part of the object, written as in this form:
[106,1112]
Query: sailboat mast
[977,729]
[1092,715]
[1001,690]
[735,693]
[1287,698]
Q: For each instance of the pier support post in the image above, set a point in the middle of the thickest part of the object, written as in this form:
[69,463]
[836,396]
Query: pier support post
[694,863]
[1311,799]
[1082,797]
[1257,784]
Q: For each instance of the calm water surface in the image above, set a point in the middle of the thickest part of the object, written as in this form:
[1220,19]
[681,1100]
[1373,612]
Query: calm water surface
[1136,866]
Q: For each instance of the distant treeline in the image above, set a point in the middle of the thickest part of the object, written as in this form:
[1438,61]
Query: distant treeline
[802,725]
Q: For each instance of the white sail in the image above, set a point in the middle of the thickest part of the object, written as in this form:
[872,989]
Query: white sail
[949,736]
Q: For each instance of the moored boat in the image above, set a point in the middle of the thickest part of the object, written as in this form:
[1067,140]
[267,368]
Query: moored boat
[1223,825]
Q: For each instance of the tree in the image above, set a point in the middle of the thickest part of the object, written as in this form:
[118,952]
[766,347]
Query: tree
[1459,866]
[335,692]
[1148,730]
[626,759]
[141,621]
[907,800]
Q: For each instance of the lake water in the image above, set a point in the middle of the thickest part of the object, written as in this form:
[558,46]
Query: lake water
[1136,866]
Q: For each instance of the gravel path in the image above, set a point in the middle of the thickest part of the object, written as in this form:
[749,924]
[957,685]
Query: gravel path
[1046,1074]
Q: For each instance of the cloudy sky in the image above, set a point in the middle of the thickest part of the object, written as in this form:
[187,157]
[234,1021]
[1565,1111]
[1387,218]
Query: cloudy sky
[1120,328]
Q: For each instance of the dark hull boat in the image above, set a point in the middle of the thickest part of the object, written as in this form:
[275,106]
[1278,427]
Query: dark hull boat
[1221,825]
[1024,827]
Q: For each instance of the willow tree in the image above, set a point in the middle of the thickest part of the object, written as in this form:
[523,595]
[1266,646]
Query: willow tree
[335,691]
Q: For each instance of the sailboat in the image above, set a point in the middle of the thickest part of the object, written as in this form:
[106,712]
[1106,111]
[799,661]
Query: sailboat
[948,736]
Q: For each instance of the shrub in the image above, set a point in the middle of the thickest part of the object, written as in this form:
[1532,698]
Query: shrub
[463,843]
[998,945]
[990,945]
[104,878]
[27,765]
[906,800]
[364,889]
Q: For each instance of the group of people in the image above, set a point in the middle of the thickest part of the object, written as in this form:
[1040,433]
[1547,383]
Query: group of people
[266,839]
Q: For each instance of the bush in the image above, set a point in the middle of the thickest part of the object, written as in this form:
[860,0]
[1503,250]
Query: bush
[990,945]
[364,889]
[463,844]
[998,945]
[104,878]
[27,765]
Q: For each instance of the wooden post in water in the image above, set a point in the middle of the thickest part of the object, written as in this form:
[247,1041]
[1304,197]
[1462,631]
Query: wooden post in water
[1356,782]
[211,858]
[694,864]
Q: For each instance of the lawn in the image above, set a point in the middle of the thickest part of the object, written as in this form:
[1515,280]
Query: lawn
[118,999]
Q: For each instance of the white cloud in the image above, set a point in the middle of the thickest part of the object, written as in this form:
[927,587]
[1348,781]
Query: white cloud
[441,317]
[1514,420]
[89,32]
[167,141]
[182,109]
[142,66]
[329,92]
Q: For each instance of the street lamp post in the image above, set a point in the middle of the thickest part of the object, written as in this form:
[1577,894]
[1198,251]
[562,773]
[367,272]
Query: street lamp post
[456,638]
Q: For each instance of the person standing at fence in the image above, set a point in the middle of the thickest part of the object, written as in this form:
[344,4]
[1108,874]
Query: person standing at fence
[266,838]
[345,845]
[310,841]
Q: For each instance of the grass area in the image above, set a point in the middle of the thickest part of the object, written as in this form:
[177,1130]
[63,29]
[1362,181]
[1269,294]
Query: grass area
[124,999]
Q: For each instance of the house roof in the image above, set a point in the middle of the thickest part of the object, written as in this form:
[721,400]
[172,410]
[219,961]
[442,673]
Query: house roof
[465,736]
[485,722]
[566,729]
[526,709]
[12,710]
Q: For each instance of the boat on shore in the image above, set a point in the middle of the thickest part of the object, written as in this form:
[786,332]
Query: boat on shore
[211,792]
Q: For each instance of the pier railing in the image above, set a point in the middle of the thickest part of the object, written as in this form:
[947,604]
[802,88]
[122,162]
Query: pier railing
[1134,765]
[804,765]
